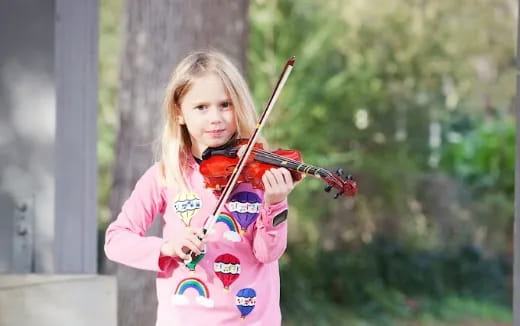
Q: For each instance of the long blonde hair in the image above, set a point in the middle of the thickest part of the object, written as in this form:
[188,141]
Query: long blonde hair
[175,152]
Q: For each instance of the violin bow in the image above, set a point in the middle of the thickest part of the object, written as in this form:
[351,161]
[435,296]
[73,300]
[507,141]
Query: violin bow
[210,222]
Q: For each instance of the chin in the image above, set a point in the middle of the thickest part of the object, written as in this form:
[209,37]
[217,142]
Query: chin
[215,142]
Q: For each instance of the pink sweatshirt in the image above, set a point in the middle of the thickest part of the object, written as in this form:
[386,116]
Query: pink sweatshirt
[237,280]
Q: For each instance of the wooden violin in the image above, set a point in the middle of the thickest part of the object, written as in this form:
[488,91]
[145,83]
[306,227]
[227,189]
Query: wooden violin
[218,164]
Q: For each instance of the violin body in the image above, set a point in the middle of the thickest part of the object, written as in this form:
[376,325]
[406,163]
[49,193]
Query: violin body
[217,169]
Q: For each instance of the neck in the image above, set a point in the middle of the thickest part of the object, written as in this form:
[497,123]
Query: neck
[196,151]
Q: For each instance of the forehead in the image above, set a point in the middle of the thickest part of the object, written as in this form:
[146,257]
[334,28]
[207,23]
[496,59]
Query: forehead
[206,88]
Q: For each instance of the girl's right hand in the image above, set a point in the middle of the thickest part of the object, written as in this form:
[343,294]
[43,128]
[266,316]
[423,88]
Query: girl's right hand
[187,241]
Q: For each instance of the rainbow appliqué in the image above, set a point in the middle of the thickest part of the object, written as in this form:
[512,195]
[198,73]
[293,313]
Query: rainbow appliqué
[198,286]
[233,234]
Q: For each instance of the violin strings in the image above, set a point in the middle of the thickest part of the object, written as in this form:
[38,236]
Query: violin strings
[296,164]
[266,154]
[270,155]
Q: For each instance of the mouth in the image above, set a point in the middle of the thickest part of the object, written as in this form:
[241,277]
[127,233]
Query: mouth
[215,133]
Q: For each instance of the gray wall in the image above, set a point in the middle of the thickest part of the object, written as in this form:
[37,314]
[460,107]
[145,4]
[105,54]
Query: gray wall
[48,104]
[27,125]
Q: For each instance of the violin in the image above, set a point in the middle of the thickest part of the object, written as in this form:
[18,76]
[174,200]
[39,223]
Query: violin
[218,164]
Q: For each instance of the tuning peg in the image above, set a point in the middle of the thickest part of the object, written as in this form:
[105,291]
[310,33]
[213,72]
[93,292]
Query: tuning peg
[339,172]
[328,188]
[349,177]
[338,194]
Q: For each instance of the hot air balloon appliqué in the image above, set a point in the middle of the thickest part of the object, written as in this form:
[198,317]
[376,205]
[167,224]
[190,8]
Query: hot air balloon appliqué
[227,269]
[245,301]
[245,207]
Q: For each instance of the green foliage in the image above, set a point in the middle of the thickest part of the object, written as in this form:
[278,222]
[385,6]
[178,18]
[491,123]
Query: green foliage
[370,81]
[484,161]
[456,309]
[387,278]
[109,45]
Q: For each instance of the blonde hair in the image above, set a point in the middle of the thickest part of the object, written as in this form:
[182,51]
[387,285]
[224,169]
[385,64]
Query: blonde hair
[175,152]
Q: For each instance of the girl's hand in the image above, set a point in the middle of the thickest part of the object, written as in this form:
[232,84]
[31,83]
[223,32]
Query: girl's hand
[278,184]
[187,241]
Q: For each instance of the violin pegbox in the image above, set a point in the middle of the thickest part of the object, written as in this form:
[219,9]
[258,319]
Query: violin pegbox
[345,186]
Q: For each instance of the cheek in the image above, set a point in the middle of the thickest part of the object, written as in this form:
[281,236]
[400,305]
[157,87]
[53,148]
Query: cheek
[193,125]
[230,118]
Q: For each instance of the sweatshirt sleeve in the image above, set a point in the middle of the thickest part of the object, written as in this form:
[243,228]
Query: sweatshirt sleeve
[270,232]
[125,240]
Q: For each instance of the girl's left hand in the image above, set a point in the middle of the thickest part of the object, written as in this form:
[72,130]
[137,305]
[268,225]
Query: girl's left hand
[278,184]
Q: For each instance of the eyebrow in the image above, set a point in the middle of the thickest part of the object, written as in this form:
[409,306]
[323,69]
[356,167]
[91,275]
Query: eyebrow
[195,104]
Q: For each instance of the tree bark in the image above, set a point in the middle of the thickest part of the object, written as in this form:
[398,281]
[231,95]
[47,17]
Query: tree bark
[157,35]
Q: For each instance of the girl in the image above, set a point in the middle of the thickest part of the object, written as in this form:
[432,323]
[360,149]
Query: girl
[235,276]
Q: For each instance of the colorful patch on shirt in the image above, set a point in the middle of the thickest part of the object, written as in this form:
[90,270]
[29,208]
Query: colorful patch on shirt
[186,205]
[233,233]
[194,284]
[227,268]
[245,301]
[245,207]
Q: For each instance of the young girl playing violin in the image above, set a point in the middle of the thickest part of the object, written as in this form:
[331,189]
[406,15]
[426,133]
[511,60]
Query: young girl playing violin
[234,275]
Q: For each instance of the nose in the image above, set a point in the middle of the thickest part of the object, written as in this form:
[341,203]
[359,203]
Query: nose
[215,116]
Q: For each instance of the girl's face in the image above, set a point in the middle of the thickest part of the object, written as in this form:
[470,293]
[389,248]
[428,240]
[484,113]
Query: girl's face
[208,113]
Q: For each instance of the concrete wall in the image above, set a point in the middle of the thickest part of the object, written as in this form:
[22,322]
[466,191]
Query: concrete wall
[50,300]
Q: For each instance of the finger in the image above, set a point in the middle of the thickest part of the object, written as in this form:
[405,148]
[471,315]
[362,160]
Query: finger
[197,232]
[200,233]
[280,183]
[286,174]
[196,241]
[181,254]
[191,246]
[266,179]
[192,231]
[284,177]
[274,177]
[288,178]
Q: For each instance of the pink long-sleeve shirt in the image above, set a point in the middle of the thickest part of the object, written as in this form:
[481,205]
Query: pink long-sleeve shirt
[237,280]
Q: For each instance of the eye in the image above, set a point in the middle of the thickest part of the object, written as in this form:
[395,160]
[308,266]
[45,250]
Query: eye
[200,107]
[226,104]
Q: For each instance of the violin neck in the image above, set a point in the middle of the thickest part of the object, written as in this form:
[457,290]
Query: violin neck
[294,166]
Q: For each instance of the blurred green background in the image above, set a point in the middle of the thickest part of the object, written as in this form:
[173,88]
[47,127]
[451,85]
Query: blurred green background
[416,100]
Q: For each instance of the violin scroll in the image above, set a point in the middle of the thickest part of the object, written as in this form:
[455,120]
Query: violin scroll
[346,187]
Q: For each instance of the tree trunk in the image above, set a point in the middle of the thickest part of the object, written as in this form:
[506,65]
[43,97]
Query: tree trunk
[157,35]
